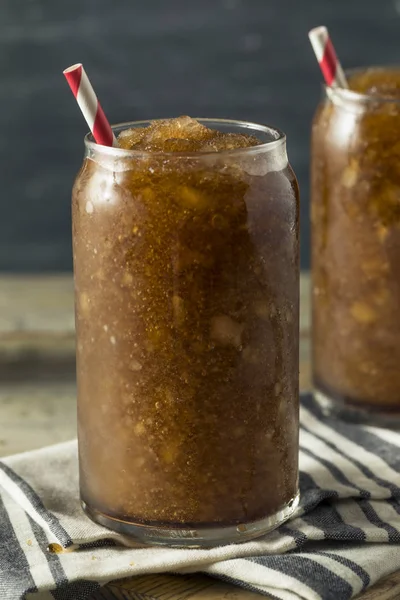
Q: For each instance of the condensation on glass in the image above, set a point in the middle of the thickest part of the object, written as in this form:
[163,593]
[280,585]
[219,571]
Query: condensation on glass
[187,284]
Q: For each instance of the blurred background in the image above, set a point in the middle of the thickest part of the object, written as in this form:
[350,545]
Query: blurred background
[246,59]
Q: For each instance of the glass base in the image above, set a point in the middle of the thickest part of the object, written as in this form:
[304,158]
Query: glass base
[198,537]
[349,410]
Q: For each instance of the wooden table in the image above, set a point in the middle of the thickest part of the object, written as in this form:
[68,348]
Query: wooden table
[37,406]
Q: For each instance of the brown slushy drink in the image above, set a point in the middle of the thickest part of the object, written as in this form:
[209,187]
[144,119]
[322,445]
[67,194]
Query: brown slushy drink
[356,246]
[187,291]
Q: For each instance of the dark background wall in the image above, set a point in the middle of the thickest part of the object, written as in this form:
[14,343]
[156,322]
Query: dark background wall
[247,59]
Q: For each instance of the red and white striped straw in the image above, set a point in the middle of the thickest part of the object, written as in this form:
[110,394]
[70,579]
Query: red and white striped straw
[90,106]
[326,56]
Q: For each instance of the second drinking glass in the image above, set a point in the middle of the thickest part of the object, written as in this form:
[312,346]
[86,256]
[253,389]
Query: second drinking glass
[356,247]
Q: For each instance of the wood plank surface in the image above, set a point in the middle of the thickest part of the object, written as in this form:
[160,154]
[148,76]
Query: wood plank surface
[201,587]
[38,407]
[174,587]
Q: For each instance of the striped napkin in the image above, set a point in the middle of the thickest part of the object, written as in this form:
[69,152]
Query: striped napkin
[344,537]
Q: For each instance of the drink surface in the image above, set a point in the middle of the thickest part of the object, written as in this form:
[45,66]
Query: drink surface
[356,241]
[182,135]
[377,82]
[186,272]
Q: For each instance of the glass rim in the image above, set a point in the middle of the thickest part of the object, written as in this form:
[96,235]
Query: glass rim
[272,144]
[350,95]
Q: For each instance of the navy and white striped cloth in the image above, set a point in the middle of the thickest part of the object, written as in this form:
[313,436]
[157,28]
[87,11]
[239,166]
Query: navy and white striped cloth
[345,535]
